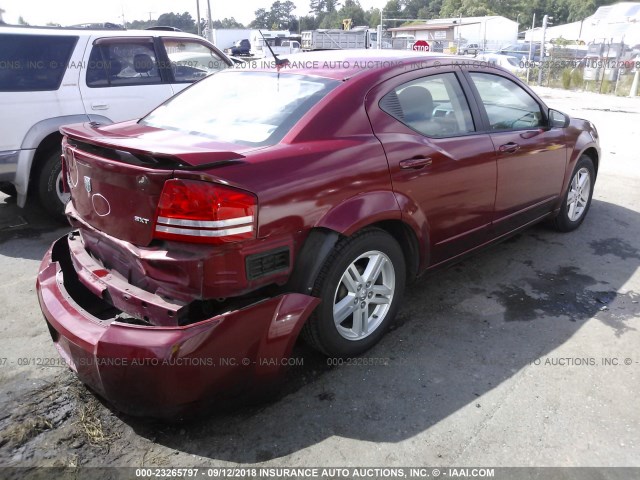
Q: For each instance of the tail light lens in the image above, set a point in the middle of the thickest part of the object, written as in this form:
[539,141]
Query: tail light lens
[202,212]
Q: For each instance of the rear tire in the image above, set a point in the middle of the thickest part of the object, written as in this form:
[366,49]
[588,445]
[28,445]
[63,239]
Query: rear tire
[577,200]
[50,193]
[360,286]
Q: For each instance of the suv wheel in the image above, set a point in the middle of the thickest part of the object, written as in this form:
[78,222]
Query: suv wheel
[360,287]
[50,193]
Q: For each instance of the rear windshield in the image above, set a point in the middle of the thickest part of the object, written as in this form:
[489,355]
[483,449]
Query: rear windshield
[33,62]
[248,108]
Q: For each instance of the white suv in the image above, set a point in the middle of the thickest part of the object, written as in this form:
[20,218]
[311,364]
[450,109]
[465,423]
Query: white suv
[50,77]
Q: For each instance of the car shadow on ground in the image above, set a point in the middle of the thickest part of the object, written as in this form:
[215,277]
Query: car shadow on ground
[27,232]
[460,333]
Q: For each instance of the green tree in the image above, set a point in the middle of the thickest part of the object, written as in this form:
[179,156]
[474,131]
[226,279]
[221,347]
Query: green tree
[141,24]
[352,9]
[331,20]
[320,7]
[580,9]
[183,21]
[279,17]
[393,9]
[227,23]
[309,22]
[261,20]
[372,17]
[22,21]
[282,15]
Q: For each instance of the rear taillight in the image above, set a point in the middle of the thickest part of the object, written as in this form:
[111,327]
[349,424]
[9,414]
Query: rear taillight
[202,212]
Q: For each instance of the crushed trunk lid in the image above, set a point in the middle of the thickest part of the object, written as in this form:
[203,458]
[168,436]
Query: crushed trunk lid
[116,175]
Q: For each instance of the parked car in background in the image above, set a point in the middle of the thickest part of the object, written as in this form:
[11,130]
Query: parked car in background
[470,49]
[505,61]
[281,46]
[522,51]
[240,48]
[50,77]
[205,240]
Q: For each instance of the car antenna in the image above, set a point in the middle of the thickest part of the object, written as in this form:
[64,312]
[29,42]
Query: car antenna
[279,62]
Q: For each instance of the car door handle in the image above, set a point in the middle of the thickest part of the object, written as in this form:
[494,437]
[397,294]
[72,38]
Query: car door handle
[510,147]
[99,106]
[415,162]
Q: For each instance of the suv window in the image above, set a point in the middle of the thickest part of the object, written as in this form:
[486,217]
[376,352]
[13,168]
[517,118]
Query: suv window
[118,63]
[434,106]
[508,106]
[33,62]
[191,60]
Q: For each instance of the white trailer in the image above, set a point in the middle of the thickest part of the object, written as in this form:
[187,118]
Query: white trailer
[226,37]
[339,39]
[258,49]
[282,46]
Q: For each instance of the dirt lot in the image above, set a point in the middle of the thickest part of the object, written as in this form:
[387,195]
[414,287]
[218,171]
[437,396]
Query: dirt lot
[507,359]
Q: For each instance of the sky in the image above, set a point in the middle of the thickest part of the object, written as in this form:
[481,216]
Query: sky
[69,12]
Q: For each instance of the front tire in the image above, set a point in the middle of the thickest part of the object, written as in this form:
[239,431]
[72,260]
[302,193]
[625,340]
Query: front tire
[577,200]
[50,192]
[360,286]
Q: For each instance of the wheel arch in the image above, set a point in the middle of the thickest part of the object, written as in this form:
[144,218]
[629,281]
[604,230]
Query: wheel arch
[47,145]
[592,153]
[321,240]
[44,136]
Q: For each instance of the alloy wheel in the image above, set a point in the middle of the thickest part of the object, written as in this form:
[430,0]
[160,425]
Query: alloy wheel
[364,295]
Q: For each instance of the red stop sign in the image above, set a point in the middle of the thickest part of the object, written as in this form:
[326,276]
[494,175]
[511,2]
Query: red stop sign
[421,46]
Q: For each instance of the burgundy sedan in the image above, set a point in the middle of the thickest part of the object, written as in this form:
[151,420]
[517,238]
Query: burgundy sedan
[259,206]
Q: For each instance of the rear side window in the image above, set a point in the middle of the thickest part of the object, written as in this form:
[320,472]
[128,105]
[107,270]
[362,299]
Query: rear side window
[30,63]
[434,106]
[122,63]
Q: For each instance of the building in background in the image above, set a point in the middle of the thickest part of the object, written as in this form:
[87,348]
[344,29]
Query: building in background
[612,23]
[489,32]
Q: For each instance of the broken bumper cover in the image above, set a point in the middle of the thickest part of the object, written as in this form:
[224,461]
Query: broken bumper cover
[167,370]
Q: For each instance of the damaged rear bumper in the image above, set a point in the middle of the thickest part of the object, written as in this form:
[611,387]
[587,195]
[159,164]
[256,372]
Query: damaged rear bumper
[167,370]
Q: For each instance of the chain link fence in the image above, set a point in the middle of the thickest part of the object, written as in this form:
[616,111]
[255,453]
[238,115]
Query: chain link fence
[607,69]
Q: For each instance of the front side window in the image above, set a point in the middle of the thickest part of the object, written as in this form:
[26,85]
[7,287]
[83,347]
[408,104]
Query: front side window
[30,63]
[508,106]
[122,63]
[249,108]
[190,60]
[434,106]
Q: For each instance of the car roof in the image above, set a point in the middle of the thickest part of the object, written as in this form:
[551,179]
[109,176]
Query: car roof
[58,31]
[344,64]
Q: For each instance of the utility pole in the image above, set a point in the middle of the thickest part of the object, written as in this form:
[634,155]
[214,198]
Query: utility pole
[533,25]
[545,22]
[634,85]
[199,18]
[379,30]
[210,23]
[459,34]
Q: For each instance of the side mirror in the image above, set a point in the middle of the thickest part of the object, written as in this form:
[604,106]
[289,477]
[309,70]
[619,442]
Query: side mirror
[558,119]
